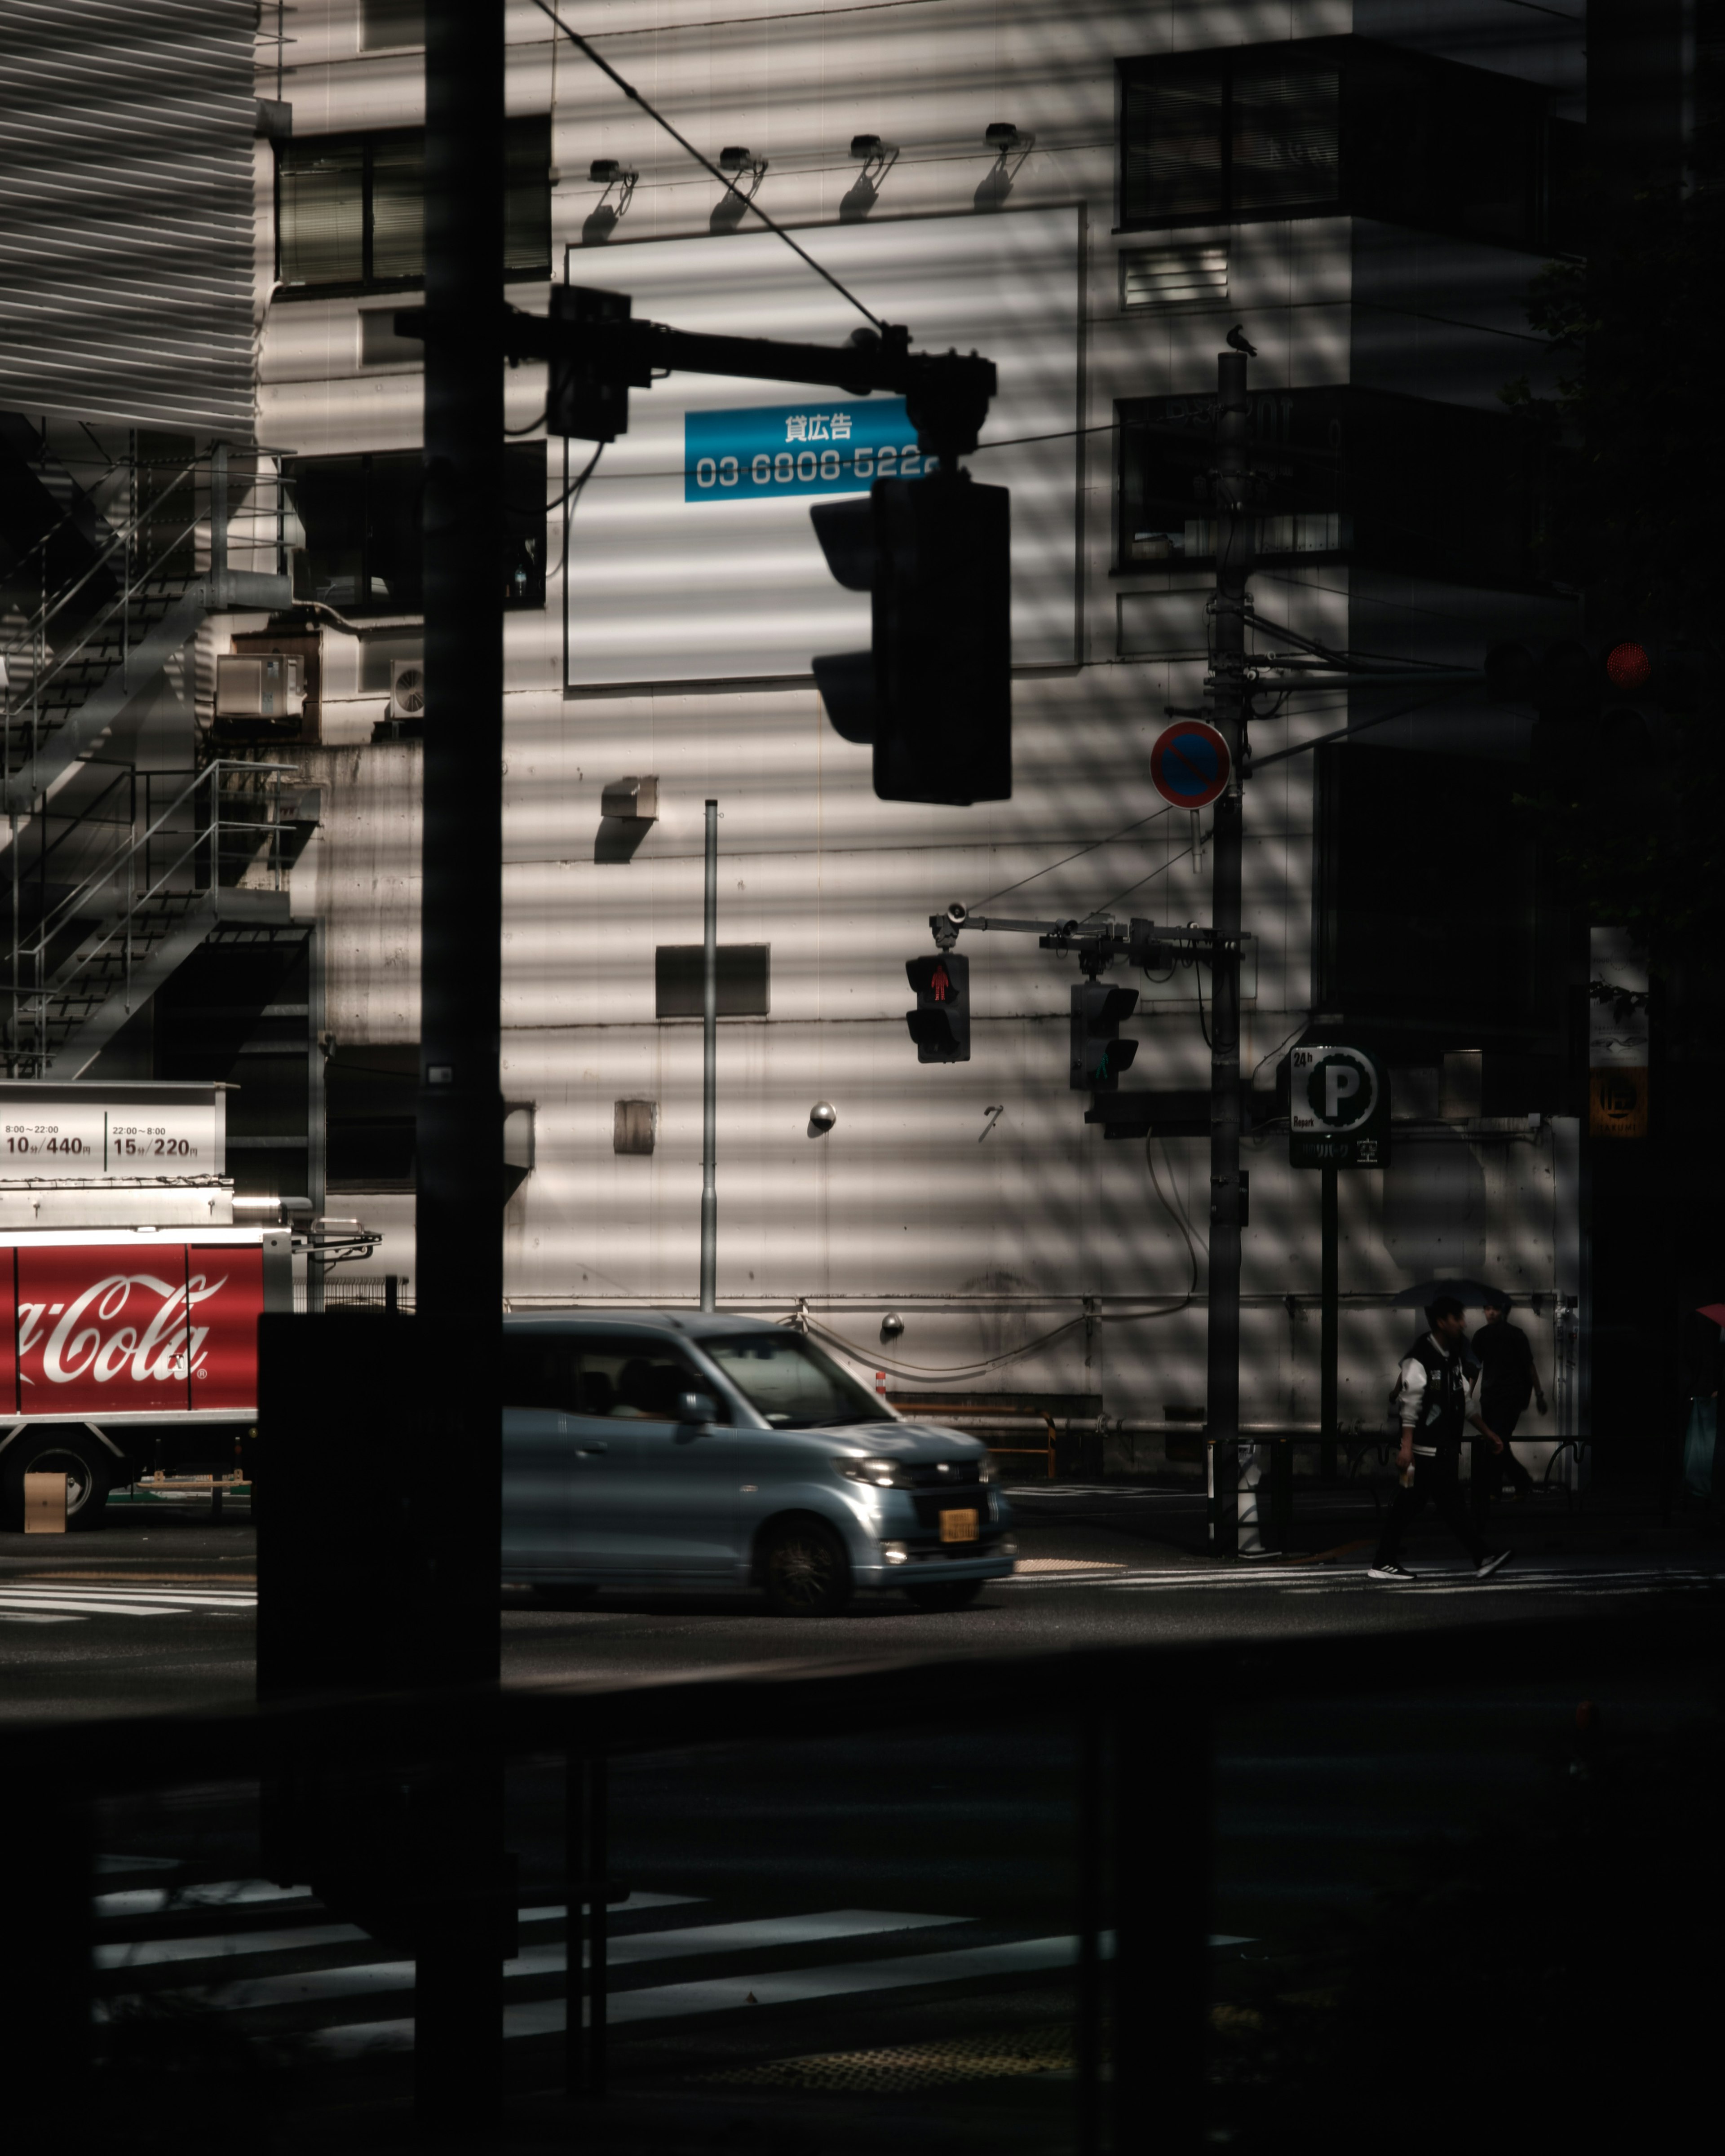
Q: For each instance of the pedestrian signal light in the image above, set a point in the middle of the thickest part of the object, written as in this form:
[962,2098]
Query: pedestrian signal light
[933,693]
[940,1024]
[1099,1056]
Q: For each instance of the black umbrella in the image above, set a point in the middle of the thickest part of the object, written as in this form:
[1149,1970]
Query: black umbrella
[1471,1294]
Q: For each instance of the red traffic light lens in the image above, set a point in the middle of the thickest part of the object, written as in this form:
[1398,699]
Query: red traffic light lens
[1628,666]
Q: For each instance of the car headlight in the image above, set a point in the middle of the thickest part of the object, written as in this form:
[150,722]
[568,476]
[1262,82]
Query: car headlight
[884,1474]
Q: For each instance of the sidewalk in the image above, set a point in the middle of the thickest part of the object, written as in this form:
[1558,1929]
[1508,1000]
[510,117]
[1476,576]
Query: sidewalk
[1135,1522]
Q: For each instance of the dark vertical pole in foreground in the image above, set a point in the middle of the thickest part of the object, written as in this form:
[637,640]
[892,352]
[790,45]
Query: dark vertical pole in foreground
[598,1974]
[1162,1891]
[1227,698]
[1092,1823]
[459,2036]
[1327,1349]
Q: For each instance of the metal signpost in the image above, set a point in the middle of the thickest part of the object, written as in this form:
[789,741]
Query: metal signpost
[1227,695]
[1338,1117]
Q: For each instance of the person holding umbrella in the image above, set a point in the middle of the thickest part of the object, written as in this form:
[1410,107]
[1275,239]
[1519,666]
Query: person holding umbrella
[1507,1381]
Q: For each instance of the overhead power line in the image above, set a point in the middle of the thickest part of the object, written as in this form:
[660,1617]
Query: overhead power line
[683,143]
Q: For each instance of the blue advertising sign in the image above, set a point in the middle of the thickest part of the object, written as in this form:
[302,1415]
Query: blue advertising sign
[772,450]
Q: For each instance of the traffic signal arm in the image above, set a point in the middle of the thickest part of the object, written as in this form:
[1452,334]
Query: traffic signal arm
[946,393]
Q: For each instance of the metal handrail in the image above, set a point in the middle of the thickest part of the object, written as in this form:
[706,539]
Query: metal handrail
[121,863]
[121,534]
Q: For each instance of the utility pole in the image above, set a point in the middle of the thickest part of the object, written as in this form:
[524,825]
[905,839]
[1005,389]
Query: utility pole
[1225,693]
[457,1467]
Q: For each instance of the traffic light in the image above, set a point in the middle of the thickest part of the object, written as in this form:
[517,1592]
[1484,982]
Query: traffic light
[1099,1056]
[1576,679]
[588,382]
[940,1024]
[933,694]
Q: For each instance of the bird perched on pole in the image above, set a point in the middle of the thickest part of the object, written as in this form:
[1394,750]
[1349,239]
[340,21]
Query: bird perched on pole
[1237,342]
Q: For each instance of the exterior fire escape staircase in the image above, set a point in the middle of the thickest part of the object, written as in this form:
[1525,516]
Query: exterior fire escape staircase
[110,875]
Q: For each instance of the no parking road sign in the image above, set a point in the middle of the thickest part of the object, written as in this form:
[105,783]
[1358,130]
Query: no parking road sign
[1189,764]
[1338,1108]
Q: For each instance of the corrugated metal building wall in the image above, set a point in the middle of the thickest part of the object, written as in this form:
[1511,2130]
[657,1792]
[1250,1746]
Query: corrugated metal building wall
[126,224]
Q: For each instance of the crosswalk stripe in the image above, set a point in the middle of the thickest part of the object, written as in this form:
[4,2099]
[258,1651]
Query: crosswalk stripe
[223,1946]
[757,1935]
[545,2017]
[149,1953]
[207,1894]
[68,1601]
[69,1606]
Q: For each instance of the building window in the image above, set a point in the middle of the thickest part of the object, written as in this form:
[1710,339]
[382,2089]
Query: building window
[349,208]
[1396,482]
[680,976]
[362,518]
[1335,125]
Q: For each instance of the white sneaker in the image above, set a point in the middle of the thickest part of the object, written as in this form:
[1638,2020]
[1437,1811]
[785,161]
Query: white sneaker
[1390,1571]
[1487,1565]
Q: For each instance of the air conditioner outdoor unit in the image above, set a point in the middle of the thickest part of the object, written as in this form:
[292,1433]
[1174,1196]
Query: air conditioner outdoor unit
[407,688]
[268,684]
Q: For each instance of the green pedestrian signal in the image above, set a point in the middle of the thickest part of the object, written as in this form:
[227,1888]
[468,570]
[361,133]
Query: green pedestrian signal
[1099,1056]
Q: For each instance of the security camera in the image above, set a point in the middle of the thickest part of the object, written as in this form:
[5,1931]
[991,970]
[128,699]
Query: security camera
[957,914]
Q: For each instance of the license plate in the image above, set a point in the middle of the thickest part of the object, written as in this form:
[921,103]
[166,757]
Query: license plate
[957,1526]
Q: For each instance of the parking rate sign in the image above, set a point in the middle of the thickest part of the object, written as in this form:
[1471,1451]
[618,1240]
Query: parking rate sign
[1338,1108]
[1189,764]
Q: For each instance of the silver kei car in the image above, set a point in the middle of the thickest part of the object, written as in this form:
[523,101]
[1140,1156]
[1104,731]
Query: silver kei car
[671,1449]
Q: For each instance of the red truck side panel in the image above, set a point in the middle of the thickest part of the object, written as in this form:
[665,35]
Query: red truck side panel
[8,1332]
[102,1328]
[225,1286]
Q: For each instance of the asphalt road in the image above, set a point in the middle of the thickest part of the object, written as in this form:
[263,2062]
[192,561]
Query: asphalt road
[156,1610]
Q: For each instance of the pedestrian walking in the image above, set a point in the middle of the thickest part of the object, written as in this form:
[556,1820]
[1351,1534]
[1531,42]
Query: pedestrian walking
[1507,1382]
[1430,1400]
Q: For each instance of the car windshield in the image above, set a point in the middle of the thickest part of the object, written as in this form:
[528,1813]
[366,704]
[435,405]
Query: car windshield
[785,1378]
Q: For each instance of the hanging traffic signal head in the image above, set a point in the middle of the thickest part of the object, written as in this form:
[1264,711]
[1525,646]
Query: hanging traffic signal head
[933,694]
[940,1024]
[588,375]
[1573,680]
[1099,1056]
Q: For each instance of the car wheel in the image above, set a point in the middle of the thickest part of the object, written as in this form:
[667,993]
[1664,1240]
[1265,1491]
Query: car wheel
[945,1593]
[805,1571]
[79,1459]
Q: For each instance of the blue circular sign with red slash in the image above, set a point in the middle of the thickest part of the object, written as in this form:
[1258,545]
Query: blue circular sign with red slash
[1189,764]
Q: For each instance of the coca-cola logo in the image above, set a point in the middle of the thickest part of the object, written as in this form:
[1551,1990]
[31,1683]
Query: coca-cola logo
[160,1346]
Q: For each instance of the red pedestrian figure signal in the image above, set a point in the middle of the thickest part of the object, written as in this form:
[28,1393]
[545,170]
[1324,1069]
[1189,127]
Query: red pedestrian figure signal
[940,1024]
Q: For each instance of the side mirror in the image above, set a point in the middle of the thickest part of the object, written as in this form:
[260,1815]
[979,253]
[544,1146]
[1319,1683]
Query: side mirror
[696,1407]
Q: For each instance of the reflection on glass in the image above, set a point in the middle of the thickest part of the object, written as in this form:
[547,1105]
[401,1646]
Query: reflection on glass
[789,1382]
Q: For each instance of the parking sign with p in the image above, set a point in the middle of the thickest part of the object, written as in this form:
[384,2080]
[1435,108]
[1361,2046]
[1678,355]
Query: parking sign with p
[1338,1108]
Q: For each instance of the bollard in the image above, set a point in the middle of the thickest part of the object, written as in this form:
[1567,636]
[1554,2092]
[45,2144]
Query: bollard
[44,1504]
